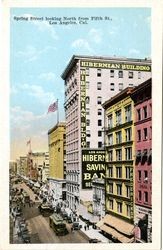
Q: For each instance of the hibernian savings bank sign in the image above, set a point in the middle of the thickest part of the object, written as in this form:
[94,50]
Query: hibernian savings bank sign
[93,166]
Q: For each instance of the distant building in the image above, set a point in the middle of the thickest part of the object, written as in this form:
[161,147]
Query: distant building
[143,161]
[45,170]
[89,82]
[98,187]
[13,167]
[57,163]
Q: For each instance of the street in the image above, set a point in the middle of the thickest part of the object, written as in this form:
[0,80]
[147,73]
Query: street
[38,226]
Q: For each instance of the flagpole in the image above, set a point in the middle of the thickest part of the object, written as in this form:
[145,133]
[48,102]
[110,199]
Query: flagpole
[57,112]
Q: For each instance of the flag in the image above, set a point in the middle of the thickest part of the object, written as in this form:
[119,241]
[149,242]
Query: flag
[28,142]
[53,107]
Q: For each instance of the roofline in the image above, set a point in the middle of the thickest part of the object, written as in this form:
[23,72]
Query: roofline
[59,124]
[142,86]
[119,96]
[74,58]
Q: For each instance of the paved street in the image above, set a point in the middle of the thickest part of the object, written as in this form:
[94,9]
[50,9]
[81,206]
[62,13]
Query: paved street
[39,228]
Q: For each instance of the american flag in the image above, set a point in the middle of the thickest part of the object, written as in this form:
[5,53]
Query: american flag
[53,107]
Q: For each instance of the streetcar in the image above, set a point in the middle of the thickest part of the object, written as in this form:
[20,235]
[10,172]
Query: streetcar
[57,223]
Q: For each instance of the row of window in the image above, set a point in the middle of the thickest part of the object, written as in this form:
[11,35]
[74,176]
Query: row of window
[112,86]
[119,190]
[71,137]
[72,115]
[118,152]
[143,176]
[118,137]
[144,134]
[118,116]
[88,133]
[72,156]
[100,144]
[120,73]
[144,112]
[143,196]
[118,173]
[72,188]
[120,207]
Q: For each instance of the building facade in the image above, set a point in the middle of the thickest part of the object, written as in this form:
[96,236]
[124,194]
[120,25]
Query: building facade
[57,163]
[90,81]
[57,151]
[119,155]
[143,162]
[98,188]
[45,170]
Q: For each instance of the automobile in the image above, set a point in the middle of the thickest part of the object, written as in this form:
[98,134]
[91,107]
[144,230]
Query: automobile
[69,220]
[76,226]
[94,240]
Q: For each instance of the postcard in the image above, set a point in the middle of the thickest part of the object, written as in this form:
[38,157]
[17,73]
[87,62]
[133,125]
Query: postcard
[81,124]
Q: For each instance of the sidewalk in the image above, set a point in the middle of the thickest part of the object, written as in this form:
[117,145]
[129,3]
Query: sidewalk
[92,233]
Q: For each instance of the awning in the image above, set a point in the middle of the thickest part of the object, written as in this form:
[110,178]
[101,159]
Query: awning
[141,216]
[116,234]
[119,224]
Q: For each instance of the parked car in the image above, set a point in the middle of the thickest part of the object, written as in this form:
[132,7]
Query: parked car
[94,240]
[76,226]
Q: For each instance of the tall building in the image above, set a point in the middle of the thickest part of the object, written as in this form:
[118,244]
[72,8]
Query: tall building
[90,81]
[143,161]
[57,163]
[119,139]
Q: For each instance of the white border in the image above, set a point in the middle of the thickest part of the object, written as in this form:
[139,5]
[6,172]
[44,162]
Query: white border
[157,10]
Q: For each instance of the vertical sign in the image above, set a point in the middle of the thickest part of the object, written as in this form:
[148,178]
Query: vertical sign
[83,107]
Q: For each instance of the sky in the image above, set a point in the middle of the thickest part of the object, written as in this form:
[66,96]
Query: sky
[40,51]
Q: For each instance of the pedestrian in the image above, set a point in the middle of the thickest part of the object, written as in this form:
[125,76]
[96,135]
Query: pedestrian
[72,229]
[88,226]
[85,227]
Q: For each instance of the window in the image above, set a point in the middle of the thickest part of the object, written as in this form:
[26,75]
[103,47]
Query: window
[110,155]
[87,99]
[119,207]
[120,74]
[119,189]
[110,121]
[130,74]
[99,86]
[118,154]
[87,85]
[139,195]
[139,135]
[98,72]
[131,85]
[87,111]
[145,196]
[99,100]
[99,122]
[110,171]
[139,75]
[120,86]
[128,210]
[128,191]
[99,144]
[138,114]
[139,175]
[145,176]
[88,133]
[111,73]
[118,117]
[99,133]
[128,134]
[87,71]
[127,172]
[145,112]
[88,122]
[119,172]
[128,113]
[145,133]
[88,144]
[110,139]
[111,188]
[112,86]
[111,204]
[99,112]
[118,137]
[128,154]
